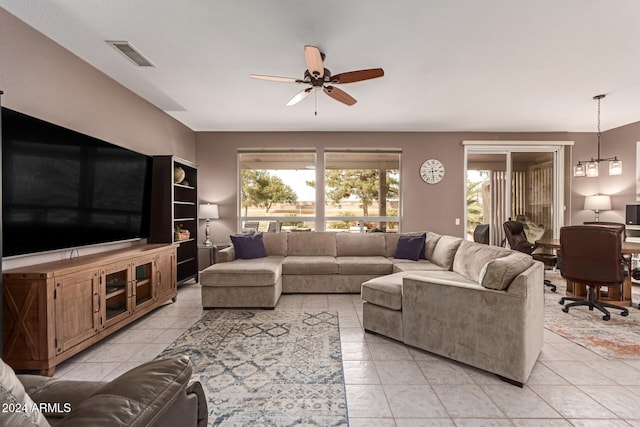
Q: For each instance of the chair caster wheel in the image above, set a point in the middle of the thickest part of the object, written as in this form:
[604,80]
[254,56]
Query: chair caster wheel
[606,317]
[565,309]
[624,313]
[561,302]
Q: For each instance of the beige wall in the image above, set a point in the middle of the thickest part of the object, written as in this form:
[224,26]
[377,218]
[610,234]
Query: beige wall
[431,207]
[42,79]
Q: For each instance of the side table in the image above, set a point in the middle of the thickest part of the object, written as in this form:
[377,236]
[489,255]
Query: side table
[207,254]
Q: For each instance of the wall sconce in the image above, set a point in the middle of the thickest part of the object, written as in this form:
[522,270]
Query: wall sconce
[208,212]
[591,169]
[597,203]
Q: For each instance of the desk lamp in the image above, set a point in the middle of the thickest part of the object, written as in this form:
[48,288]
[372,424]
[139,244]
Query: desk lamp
[597,203]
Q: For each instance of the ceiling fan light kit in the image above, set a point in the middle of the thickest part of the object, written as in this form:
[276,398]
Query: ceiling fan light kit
[320,78]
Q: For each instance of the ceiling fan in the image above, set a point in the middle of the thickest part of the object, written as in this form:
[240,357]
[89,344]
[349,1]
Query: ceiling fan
[317,77]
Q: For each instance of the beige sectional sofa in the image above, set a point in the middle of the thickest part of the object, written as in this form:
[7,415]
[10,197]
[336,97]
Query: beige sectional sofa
[478,304]
[303,262]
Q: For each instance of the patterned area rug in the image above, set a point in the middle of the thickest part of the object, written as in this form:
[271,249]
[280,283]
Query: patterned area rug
[617,338]
[267,368]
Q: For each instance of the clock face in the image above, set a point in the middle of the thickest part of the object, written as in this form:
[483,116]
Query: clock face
[432,171]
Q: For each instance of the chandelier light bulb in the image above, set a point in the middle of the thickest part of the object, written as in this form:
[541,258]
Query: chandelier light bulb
[615,167]
[592,169]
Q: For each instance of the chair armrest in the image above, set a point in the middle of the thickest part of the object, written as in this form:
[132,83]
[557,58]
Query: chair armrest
[139,397]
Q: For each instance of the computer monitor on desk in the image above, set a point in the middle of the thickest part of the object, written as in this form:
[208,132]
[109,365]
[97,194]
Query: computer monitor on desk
[632,222]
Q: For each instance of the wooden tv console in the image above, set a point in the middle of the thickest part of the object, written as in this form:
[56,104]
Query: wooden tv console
[54,310]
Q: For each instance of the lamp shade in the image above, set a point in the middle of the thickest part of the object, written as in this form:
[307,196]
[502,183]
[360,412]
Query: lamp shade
[208,211]
[598,202]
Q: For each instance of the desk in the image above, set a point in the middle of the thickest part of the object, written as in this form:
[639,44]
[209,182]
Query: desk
[613,295]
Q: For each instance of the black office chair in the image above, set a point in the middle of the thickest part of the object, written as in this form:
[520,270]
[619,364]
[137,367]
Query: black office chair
[481,234]
[517,238]
[592,256]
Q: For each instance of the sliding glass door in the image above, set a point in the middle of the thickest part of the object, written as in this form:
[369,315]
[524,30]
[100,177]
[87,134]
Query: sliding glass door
[515,182]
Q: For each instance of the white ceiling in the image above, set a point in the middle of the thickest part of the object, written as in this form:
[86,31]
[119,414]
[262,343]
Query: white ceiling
[450,65]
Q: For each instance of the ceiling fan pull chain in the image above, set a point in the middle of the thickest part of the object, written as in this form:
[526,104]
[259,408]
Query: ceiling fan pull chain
[315,99]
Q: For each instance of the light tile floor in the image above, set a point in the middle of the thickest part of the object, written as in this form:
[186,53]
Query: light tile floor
[389,384]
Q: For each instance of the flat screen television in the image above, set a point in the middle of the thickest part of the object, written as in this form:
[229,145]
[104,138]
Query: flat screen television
[62,189]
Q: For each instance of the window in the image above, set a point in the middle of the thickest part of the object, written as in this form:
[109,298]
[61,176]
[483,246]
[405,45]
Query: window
[362,190]
[279,189]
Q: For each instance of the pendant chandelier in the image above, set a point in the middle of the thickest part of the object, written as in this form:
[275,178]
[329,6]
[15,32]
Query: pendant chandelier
[589,168]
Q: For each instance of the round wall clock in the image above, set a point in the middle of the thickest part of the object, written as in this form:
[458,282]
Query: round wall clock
[432,171]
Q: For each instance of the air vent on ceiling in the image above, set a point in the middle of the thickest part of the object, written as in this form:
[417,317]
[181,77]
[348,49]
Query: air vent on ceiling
[131,53]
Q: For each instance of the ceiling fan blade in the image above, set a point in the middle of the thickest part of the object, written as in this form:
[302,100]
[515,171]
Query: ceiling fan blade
[299,96]
[276,79]
[357,76]
[339,95]
[313,57]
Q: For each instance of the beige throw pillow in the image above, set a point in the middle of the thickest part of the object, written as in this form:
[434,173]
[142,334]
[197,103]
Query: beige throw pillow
[445,251]
[500,272]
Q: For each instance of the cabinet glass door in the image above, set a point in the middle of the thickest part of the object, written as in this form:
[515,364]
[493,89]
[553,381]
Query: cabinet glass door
[143,285]
[116,293]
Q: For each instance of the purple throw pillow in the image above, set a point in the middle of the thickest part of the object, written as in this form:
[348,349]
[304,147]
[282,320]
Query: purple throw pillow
[249,246]
[410,247]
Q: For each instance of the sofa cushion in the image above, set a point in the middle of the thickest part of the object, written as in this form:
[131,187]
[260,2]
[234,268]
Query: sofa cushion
[13,395]
[500,272]
[385,291]
[359,244]
[243,272]
[445,251]
[364,265]
[410,247]
[430,244]
[311,244]
[249,246]
[444,277]
[471,257]
[420,265]
[309,265]
[276,243]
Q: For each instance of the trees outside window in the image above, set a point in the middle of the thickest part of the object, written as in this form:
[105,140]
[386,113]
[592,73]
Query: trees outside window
[261,189]
[365,185]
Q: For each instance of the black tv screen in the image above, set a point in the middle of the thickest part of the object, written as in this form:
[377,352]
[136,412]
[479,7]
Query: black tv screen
[62,189]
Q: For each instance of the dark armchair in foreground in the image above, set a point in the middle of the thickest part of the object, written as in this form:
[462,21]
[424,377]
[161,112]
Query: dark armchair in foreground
[157,393]
[592,256]
[517,239]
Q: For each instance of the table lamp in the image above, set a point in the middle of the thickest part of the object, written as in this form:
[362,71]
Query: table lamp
[597,203]
[208,212]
